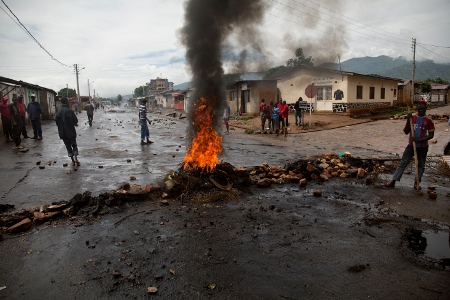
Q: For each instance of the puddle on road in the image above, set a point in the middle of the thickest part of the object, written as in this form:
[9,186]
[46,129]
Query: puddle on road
[431,244]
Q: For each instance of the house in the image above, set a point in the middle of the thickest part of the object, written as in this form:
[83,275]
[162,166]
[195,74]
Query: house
[404,92]
[245,96]
[439,93]
[337,91]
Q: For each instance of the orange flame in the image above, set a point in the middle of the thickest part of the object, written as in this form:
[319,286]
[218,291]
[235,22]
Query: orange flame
[207,143]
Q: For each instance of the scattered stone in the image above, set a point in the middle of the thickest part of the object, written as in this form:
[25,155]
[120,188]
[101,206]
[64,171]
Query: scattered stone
[381,201]
[43,208]
[152,290]
[65,165]
[317,193]
[41,167]
[38,163]
[432,187]
[128,160]
[43,217]
[361,173]
[164,202]
[21,226]
[266,182]
[100,167]
[432,195]
[57,207]
[132,178]
[302,182]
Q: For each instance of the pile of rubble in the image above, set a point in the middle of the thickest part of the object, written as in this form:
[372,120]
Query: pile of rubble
[225,182]
[327,166]
[433,117]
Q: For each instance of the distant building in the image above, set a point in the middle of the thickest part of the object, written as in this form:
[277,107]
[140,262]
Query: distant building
[160,84]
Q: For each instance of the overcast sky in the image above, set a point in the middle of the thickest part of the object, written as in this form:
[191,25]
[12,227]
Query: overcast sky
[121,45]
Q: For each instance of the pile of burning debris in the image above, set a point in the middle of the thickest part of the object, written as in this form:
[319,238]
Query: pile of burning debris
[225,182]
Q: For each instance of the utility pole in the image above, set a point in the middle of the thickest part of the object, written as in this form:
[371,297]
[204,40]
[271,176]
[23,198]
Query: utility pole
[78,86]
[89,89]
[67,90]
[413,70]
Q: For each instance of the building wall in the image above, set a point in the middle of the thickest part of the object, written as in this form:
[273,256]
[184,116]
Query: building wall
[293,85]
[257,89]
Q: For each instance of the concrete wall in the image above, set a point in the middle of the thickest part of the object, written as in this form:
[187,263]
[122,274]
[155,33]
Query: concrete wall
[293,84]
[257,90]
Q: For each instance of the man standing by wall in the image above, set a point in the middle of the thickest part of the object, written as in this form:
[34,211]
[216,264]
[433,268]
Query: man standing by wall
[6,119]
[23,112]
[90,112]
[16,122]
[298,112]
[34,114]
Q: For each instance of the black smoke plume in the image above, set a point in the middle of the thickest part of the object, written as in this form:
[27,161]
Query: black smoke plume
[207,25]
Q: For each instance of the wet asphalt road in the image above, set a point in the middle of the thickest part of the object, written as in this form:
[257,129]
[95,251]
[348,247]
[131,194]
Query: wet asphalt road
[279,243]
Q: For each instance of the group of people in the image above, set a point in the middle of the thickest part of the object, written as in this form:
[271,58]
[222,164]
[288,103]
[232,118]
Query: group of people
[276,114]
[14,121]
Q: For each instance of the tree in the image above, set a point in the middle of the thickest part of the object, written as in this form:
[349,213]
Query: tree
[65,92]
[290,63]
[425,87]
[139,91]
[300,59]
[119,98]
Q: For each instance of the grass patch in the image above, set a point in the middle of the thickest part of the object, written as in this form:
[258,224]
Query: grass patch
[249,131]
[246,118]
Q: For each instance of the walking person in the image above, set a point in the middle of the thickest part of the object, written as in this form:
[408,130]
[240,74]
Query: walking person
[423,128]
[262,115]
[145,133]
[66,120]
[16,122]
[90,112]
[23,112]
[226,117]
[6,119]
[34,114]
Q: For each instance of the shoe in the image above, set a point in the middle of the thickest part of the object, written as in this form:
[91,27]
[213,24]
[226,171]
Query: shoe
[143,142]
[34,138]
[390,184]
[149,142]
[26,137]
[19,147]
[78,163]
[415,186]
[39,138]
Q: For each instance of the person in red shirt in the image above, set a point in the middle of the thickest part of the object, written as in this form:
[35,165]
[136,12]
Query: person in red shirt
[284,112]
[23,112]
[6,119]
[423,131]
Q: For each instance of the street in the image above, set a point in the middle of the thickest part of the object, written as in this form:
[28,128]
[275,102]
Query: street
[266,243]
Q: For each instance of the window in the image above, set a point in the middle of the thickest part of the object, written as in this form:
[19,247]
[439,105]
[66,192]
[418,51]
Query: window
[231,95]
[372,93]
[359,92]
[395,92]
[383,92]
[324,93]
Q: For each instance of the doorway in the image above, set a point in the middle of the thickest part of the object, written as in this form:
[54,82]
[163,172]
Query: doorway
[324,100]
[245,98]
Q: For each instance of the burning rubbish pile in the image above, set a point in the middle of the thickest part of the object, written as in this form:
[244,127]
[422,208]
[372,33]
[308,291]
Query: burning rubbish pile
[218,183]
[226,181]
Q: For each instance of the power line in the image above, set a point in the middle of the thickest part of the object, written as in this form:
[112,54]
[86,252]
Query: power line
[29,33]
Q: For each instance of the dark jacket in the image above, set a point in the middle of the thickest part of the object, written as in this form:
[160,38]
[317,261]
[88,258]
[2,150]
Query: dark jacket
[14,112]
[34,110]
[89,109]
[66,120]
